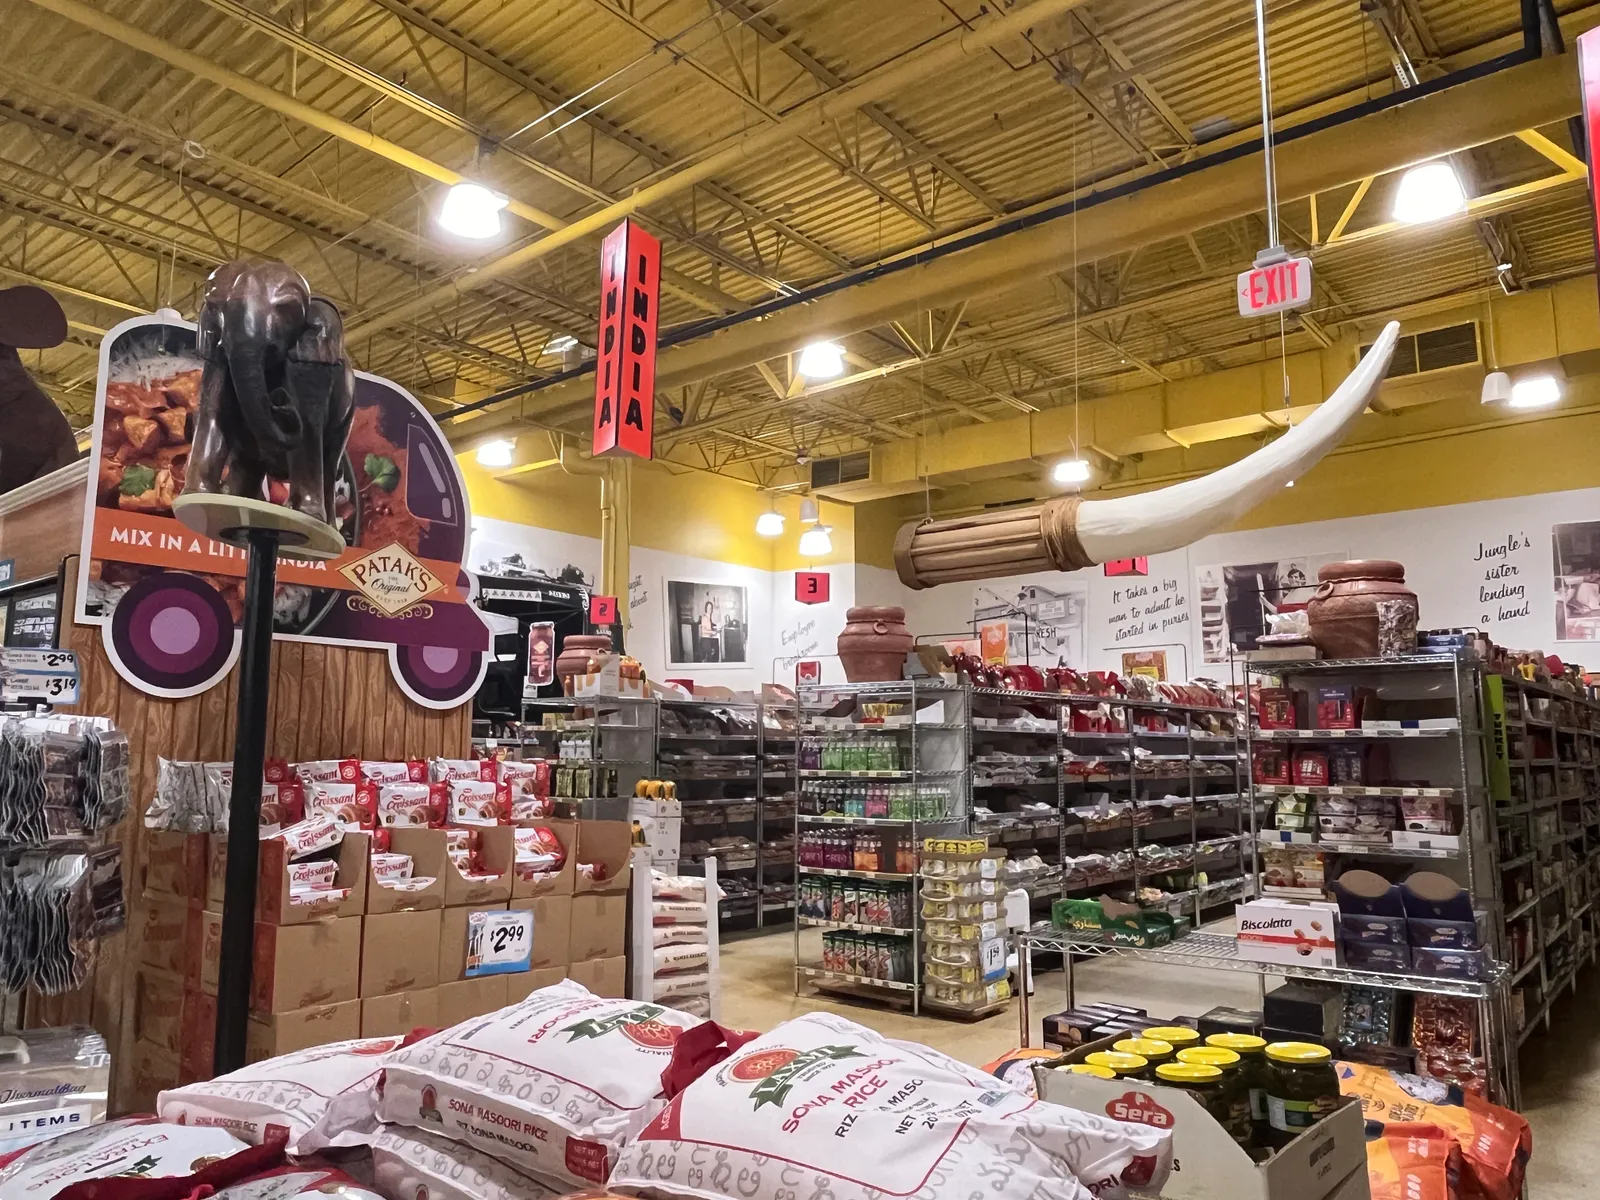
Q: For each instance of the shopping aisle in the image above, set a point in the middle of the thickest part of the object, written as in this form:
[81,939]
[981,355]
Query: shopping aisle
[1560,1071]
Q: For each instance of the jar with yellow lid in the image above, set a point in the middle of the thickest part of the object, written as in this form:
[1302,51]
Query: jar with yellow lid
[1200,1081]
[1302,1088]
[1176,1036]
[1253,1069]
[1094,1069]
[1149,1049]
[1235,1095]
[1124,1066]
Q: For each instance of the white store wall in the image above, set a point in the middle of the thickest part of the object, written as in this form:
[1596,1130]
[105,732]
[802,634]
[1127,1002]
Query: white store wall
[1487,565]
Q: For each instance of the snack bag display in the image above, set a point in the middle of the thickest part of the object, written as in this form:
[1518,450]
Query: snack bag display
[826,1100]
[1495,1142]
[554,1085]
[1414,1162]
[407,1162]
[321,1097]
[100,1153]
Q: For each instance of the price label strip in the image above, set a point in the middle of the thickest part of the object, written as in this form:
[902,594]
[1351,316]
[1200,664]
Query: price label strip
[499,942]
[29,674]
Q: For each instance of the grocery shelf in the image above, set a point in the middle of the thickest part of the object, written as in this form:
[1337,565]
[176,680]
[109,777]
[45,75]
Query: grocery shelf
[847,873]
[1351,789]
[1339,735]
[836,819]
[1333,666]
[857,926]
[859,980]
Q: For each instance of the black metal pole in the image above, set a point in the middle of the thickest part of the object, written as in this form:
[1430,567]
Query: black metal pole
[244,806]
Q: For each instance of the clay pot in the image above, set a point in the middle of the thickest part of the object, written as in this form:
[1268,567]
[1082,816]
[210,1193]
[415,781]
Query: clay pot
[1344,612]
[873,644]
[576,651]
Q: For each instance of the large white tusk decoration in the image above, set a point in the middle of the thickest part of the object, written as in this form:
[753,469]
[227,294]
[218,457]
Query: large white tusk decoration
[1068,533]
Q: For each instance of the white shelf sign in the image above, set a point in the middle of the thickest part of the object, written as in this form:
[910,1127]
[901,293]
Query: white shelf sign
[38,674]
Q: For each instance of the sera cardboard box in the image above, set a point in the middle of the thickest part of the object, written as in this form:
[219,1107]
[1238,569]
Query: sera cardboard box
[499,852]
[560,883]
[608,844]
[1326,1162]
[176,865]
[293,966]
[428,860]
[552,929]
[158,1009]
[274,903]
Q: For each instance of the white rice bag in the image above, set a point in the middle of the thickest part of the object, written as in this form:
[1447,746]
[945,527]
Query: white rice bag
[675,959]
[677,912]
[407,1163]
[678,935]
[292,1182]
[321,1097]
[674,988]
[679,887]
[823,1105]
[553,1085]
[161,1151]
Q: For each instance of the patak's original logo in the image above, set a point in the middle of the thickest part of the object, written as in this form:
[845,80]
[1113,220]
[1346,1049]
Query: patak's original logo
[391,578]
[780,1068]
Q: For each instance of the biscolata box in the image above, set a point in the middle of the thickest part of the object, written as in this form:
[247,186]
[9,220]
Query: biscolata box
[1297,933]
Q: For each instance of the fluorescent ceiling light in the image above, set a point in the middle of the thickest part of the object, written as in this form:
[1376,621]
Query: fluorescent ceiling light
[809,515]
[1429,192]
[471,211]
[561,344]
[822,360]
[1536,391]
[769,524]
[1289,484]
[497,453]
[815,542]
[1071,470]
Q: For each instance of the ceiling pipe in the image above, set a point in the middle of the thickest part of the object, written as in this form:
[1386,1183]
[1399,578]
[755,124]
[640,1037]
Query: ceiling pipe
[814,116]
[1438,117]
[275,101]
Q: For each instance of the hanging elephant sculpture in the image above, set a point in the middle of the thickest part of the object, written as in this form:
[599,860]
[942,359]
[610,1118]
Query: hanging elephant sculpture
[277,393]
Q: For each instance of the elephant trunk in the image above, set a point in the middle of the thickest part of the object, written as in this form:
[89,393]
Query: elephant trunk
[269,414]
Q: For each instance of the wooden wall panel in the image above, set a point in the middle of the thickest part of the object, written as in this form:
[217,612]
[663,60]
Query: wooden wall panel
[328,701]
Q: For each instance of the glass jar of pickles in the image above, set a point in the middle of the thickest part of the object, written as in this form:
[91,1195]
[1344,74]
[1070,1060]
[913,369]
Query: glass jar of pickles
[1202,1082]
[1152,1051]
[1123,1066]
[1234,1112]
[1253,1072]
[1179,1037]
[1302,1088]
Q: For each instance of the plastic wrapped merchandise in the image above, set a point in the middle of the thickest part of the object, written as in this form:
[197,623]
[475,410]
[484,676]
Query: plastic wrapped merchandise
[317,1098]
[554,1085]
[828,1105]
[408,1163]
[141,1147]
[293,1182]
[52,1081]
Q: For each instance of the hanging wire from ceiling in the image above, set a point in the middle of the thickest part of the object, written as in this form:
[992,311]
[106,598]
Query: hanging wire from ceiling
[1270,164]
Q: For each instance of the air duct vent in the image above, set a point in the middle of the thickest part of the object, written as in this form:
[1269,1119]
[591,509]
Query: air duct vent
[847,468]
[1435,350]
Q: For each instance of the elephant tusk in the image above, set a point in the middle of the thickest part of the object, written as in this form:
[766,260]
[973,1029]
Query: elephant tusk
[1067,534]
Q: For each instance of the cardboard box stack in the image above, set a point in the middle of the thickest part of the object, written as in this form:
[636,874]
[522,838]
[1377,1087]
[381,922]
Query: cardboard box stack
[379,946]
[1422,926]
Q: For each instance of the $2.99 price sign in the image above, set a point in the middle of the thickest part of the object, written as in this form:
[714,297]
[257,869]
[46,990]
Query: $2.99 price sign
[38,674]
[499,942]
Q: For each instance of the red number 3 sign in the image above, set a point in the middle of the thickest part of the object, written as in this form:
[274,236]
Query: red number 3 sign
[811,587]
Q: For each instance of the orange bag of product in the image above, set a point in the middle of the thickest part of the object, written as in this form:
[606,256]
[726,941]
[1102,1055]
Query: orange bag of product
[1413,1161]
[1495,1142]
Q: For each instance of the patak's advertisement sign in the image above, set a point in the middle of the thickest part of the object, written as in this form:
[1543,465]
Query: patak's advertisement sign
[169,601]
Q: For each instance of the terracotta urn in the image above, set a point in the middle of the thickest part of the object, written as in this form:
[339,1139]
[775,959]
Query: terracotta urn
[873,644]
[576,651]
[1344,612]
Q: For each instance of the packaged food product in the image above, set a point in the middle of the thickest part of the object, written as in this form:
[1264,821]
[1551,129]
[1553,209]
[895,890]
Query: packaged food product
[353,805]
[395,772]
[476,802]
[677,912]
[539,852]
[678,887]
[408,1163]
[321,1097]
[415,805]
[1252,1076]
[301,1180]
[163,1151]
[312,874]
[854,1113]
[680,958]
[681,987]
[678,935]
[1302,1088]
[309,836]
[451,770]
[328,770]
[282,804]
[1016,1067]
[388,867]
[554,1085]
[1495,1142]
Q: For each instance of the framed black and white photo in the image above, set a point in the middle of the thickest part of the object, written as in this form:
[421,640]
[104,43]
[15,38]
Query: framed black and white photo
[708,624]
